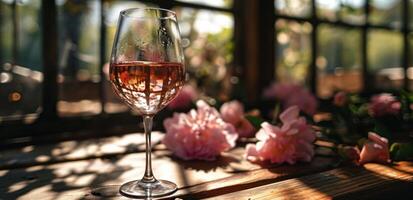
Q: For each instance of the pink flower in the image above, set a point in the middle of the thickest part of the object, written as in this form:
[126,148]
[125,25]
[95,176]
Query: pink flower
[233,112]
[291,94]
[184,98]
[340,99]
[383,104]
[201,134]
[280,90]
[291,142]
[375,150]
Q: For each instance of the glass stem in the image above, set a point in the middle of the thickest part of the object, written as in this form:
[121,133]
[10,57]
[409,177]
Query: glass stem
[147,124]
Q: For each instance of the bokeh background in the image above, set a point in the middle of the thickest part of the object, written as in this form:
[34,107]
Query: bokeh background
[233,49]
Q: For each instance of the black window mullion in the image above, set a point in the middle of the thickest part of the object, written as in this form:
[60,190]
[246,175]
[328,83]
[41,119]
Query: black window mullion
[102,55]
[364,54]
[239,35]
[313,69]
[406,45]
[266,36]
[49,57]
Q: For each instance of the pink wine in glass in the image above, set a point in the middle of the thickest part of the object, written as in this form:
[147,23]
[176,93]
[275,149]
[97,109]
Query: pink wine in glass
[147,86]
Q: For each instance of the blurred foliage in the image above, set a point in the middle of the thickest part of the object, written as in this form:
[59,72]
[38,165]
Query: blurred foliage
[351,11]
[214,3]
[386,12]
[384,49]
[293,51]
[29,34]
[339,60]
[208,46]
[208,41]
[300,8]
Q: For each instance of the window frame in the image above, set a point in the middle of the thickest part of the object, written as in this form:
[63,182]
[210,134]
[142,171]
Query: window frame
[48,125]
[368,82]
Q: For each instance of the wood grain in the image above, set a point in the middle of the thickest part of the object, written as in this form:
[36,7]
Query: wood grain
[253,178]
[373,181]
[94,169]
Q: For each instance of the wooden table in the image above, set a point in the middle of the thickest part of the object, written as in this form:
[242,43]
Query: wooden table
[94,169]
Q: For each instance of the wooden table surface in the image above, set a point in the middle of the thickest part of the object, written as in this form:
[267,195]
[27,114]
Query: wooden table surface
[94,169]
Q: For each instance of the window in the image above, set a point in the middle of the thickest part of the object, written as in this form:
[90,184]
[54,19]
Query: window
[54,64]
[354,45]
[44,93]
[20,59]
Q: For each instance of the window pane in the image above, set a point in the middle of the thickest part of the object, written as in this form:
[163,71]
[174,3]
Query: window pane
[384,58]
[385,12]
[293,51]
[78,25]
[411,14]
[208,47]
[214,3]
[113,103]
[351,11]
[300,8]
[6,33]
[338,60]
[20,84]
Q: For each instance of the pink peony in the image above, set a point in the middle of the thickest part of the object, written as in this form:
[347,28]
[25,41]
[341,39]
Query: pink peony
[340,99]
[291,94]
[383,104]
[201,134]
[375,150]
[291,142]
[233,112]
[184,98]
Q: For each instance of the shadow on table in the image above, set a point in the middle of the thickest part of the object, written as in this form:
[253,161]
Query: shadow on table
[23,177]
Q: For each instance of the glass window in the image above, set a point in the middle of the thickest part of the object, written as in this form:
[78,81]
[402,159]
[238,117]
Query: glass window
[338,60]
[385,12]
[207,37]
[214,3]
[20,59]
[351,11]
[384,58]
[79,73]
[299,8]
[293,51]
[411,14]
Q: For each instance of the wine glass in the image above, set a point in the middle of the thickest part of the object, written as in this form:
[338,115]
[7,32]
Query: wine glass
[147,71]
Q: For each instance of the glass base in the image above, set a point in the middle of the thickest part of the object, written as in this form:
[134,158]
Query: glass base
[138,189]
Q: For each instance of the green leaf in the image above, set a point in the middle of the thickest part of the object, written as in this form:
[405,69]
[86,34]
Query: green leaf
[401,151]
[255,121]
